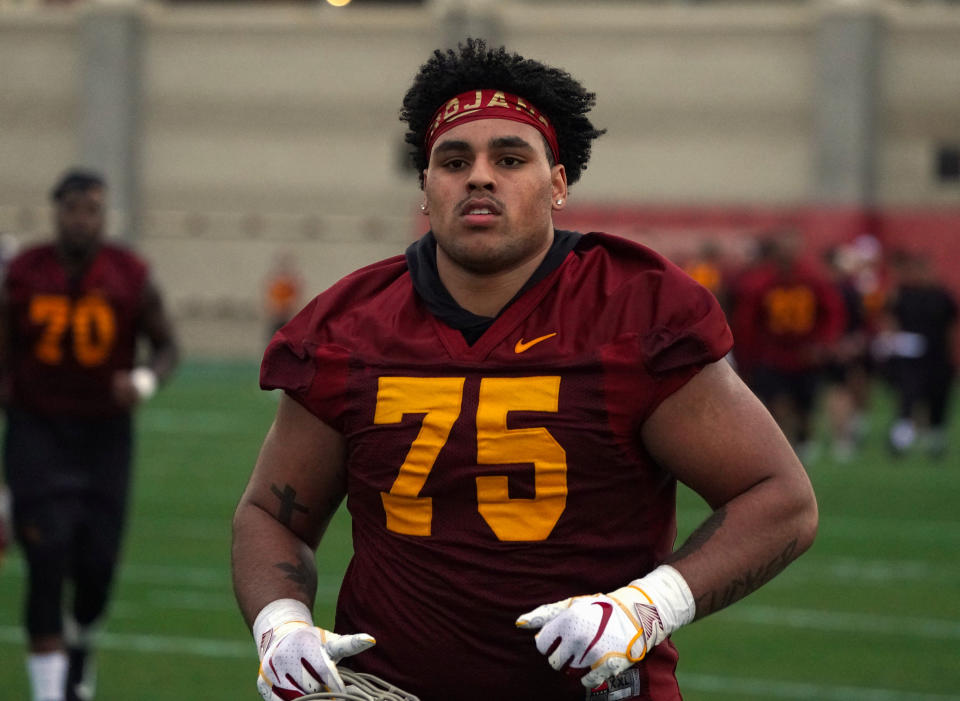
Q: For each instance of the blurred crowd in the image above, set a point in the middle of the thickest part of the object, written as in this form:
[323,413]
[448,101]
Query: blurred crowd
[813,334]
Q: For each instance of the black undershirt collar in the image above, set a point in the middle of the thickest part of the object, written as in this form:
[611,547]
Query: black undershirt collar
[422,263]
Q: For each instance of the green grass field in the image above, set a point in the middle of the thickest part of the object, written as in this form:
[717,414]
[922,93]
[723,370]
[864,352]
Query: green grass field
[871,613]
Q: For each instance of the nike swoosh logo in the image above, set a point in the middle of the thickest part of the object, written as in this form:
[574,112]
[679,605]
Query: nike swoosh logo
[604,618]
[523,346]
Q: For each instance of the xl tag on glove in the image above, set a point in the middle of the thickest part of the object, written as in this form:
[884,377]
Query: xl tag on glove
[625,685]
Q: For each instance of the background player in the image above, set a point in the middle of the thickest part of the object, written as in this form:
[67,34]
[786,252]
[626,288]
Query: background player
[507,409]
[787,315]
[283,292]
[922,322]
[72,313]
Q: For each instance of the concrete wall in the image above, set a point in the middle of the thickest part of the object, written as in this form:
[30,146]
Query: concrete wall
[274,128]
[920,103]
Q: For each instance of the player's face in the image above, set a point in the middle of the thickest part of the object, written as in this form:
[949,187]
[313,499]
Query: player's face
[490,193]
[80,220]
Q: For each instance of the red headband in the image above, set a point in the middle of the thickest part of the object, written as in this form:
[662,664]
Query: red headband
[489,104]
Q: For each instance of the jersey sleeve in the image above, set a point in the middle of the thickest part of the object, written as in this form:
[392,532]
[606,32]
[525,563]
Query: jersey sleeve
[688,331]
[294,361]
[688,328]
[309,357]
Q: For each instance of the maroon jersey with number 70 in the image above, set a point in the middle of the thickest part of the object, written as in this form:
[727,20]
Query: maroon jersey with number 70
[69,336]
[486,480]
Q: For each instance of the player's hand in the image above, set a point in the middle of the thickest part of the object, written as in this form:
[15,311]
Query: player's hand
[124,393]
[300,659]
[132,387]
[597,637]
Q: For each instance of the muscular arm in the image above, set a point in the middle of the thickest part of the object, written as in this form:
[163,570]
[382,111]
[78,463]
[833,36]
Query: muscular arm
[297,484]
[164,354]
[718,439]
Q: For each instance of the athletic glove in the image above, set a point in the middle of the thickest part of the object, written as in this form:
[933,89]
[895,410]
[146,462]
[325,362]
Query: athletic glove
[602,635]
[296,657]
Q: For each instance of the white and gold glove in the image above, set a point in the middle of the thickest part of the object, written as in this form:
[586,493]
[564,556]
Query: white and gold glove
[604,634]
[296,657]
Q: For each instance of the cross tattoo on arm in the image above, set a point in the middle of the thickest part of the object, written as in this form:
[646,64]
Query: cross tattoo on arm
[288,503]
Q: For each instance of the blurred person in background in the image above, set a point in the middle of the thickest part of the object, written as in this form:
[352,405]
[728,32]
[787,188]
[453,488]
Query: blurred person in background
[759,253]
[8,249]
[846,369]
[709,268]
[920,344]
[9,245]
[283,292]
[71,314]
[787,315]
[870,275]
[507,409]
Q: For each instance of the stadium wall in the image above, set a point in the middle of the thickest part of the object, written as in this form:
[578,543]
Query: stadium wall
[268,129]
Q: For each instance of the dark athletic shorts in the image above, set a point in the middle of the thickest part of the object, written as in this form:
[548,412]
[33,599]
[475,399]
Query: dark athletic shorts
[67,476]
[800,385]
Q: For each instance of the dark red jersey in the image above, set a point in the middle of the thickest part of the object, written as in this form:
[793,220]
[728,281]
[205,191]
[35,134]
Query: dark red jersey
[485,480]
[783,318]
[68,337]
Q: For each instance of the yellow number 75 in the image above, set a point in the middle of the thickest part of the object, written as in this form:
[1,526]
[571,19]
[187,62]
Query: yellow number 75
[439,399]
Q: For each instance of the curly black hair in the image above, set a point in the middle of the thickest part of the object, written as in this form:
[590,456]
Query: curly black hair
[553,91]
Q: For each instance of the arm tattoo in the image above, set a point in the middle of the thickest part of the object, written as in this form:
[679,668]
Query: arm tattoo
[303,574]
[746,583]
[700,536]
[288,503]
[740,587]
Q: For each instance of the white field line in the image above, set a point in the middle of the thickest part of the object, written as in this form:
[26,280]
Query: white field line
[840,569]
[773,689]
[177,588]
[169,575]
[884,571]
[163,644]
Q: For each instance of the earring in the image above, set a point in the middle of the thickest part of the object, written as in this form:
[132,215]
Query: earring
[559,201]
[423,207]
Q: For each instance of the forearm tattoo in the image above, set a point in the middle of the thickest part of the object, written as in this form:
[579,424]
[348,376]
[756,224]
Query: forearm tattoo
[746,583]
[303,574]
[288,503]
[700,536]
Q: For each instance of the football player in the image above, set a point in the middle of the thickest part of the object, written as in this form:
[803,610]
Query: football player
[788,316]
[71,314]
[507,409]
